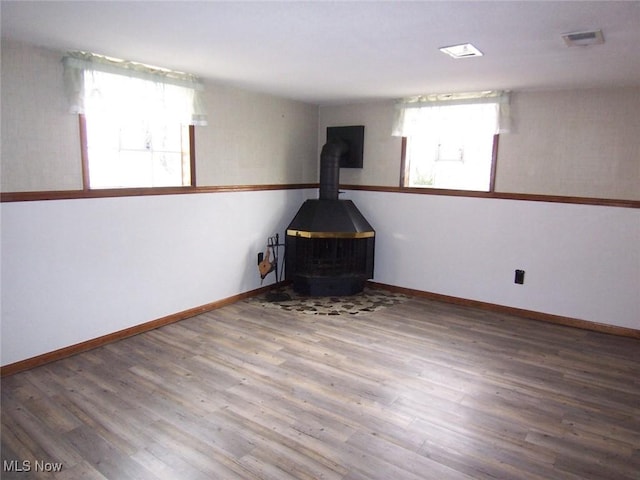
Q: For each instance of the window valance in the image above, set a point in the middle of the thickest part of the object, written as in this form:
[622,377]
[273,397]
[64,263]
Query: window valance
[181,94]
[413,114]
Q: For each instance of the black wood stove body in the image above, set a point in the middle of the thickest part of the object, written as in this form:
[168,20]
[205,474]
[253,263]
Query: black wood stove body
[329,245]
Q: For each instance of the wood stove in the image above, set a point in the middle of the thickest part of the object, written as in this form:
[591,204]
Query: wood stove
[329,245]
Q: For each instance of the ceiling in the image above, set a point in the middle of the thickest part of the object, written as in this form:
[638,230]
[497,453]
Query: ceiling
[340,52]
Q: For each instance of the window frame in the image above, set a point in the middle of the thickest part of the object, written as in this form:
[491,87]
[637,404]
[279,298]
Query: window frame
[84,157]
[404,169]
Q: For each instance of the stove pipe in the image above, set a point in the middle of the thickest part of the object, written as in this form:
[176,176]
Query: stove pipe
[330,169]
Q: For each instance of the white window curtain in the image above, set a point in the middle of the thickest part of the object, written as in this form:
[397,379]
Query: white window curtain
[98,82]
[417,115]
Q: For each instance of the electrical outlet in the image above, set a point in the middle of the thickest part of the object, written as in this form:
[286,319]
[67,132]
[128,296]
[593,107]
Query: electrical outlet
[519,277]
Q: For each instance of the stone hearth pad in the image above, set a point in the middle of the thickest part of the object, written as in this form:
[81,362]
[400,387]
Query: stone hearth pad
[369,300]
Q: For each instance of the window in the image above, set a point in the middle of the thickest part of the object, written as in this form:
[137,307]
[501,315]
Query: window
[450,141]
[454,151]
[132,140]
[136,122]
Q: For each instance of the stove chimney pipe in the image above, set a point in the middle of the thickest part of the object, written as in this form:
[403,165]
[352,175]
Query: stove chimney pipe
[330,169]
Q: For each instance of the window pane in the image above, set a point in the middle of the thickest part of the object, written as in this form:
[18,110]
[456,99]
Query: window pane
[455,149]
[133,140]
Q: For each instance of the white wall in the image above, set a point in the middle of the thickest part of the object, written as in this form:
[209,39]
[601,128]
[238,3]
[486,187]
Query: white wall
[581,261]
[74,270]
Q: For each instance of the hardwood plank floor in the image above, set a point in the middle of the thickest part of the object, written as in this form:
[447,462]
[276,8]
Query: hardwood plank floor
[419,390]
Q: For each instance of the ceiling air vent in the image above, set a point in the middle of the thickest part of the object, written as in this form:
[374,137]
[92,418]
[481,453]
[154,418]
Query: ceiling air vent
[465,50]
[583,39]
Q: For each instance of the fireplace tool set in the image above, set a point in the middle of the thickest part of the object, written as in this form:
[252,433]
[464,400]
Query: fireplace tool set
[267,263]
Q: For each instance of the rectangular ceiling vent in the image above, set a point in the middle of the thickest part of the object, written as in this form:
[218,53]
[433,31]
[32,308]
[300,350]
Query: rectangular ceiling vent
[583,39]
[465,50]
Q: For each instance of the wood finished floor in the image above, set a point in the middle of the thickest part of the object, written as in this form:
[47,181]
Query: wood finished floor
[420,390]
